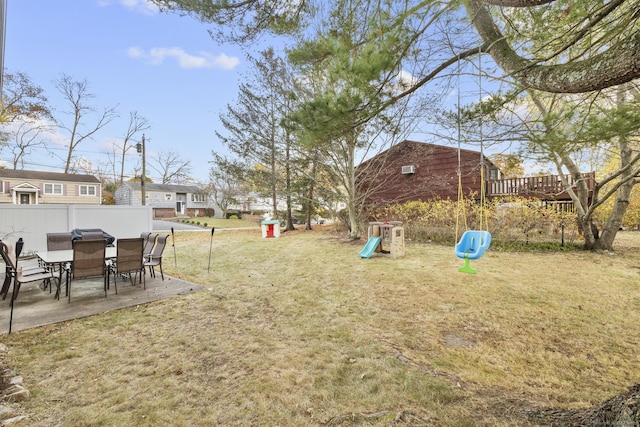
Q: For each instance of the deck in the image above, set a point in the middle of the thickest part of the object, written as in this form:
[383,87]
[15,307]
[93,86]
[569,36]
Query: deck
[548,187]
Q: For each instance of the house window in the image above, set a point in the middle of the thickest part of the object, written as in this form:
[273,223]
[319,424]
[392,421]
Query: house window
[197,197]
[53,189]
[494,173]
[168,196]
[87,190]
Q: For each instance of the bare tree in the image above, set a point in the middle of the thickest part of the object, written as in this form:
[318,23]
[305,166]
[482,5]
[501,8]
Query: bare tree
[224,178]
[24,137]
[77,93]
[137,124]
[170,166]
[24,113]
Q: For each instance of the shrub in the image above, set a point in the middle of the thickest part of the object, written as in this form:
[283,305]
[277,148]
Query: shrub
[508,219]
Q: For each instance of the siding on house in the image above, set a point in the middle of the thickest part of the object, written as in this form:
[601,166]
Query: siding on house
[38,187]
[434,174]
[167,200]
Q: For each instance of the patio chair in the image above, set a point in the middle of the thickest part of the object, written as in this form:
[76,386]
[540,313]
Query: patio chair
[11,263]
[19,274]
[88,262]
[129,259]
[149,243]
[155,258]
[27,268]
[16,273]
[145,239]
[59,241]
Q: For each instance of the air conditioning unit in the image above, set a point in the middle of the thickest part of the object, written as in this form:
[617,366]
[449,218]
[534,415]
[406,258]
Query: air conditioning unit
[408,169]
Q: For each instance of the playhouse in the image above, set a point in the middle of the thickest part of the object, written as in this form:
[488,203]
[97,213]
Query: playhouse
[385,238]
[270,228]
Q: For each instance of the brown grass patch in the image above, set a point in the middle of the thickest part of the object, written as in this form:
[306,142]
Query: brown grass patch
[300,331]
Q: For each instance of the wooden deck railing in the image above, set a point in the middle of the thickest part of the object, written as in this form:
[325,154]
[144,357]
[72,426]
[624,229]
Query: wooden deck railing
[547,186]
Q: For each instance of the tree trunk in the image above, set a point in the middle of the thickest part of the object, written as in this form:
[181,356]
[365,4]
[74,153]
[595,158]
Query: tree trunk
[613,224]
[309,209]
[311,195]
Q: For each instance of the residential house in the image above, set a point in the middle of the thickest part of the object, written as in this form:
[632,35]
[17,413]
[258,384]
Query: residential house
[166,200]
[414,170]
[23,187]
[254,204]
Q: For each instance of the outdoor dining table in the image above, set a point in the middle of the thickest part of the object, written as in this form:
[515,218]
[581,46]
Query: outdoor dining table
[65,256]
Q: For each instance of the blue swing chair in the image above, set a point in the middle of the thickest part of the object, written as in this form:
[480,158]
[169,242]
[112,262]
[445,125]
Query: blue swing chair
[472,245]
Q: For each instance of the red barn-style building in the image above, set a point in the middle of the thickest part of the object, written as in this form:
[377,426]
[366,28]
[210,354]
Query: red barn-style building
[413,170]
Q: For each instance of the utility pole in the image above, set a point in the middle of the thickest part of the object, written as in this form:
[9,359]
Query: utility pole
[141,149]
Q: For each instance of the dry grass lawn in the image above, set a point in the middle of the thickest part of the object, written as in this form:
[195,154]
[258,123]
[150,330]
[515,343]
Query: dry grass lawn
[299,331]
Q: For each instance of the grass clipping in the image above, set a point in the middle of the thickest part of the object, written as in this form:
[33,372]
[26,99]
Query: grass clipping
[300,330]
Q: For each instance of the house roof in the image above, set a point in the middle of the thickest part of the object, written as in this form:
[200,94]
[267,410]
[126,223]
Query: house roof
[172,188]
[408,142]
[47,176]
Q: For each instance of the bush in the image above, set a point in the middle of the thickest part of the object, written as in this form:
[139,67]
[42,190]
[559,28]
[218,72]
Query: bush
[508,220]
[233,216]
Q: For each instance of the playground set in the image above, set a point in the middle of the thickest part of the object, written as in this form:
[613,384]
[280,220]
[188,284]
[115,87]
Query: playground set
[385,238]
[472,244]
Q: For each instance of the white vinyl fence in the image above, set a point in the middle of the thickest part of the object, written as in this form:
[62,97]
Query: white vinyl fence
[33,222]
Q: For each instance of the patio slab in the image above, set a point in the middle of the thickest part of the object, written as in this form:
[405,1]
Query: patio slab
[37,307]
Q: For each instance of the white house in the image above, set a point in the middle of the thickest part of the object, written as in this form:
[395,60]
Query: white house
[166,200]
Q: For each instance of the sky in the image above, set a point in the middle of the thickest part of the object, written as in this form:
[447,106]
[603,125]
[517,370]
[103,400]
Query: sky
[163,66]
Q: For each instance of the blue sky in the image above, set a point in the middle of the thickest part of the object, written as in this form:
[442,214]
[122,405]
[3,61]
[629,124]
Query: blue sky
[165,67]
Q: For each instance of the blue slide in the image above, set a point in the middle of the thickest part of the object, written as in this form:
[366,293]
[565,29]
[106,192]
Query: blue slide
[370,247]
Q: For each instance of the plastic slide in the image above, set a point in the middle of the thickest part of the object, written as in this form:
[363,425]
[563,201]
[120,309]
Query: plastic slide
[370,247]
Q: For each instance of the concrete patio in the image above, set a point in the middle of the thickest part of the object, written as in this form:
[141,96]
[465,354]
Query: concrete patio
[37,307]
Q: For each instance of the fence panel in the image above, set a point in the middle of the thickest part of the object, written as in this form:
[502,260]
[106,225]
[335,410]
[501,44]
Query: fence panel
[33,222]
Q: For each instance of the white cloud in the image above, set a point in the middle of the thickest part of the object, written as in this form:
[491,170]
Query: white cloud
[406,79]
[141,6]
[403,81]
[135,52]
[157,55]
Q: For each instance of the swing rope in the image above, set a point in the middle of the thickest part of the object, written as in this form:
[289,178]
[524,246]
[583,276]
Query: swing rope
[483,225]
[472,243]
[461,208]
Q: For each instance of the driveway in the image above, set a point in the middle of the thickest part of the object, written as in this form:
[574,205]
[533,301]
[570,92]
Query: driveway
[159,225]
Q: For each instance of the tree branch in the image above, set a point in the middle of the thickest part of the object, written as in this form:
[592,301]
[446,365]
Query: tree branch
[616,65]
